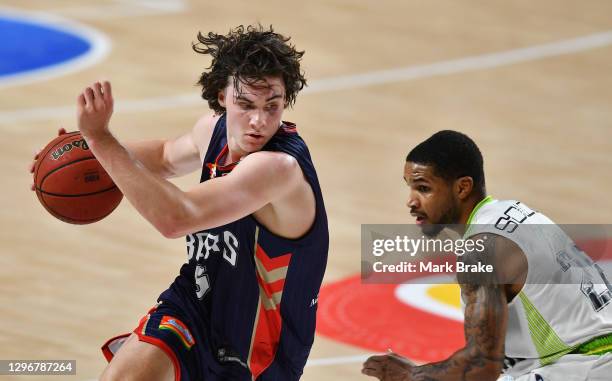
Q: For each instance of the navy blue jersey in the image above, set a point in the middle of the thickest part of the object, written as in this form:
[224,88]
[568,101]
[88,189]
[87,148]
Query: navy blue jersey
[252,294]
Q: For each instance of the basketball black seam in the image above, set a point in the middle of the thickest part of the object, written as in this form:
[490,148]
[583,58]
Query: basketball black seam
[76,195]
[41,155]
[70,219]
[42,181]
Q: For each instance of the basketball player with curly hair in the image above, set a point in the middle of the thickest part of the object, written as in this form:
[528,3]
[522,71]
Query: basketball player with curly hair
[244,304]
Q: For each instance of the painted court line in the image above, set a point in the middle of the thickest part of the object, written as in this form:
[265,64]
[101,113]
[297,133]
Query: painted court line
[122,8]
[478,62]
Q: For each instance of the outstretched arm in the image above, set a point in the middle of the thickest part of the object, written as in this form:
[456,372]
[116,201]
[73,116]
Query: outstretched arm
[481,358]
[486,314]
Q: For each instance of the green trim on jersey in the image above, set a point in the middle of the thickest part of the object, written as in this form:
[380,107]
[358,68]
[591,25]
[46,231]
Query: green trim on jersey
[546,341]
[482,202]
[597,346]
[468,224]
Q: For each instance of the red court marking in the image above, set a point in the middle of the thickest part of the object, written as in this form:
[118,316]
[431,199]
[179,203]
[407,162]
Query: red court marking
[371,317]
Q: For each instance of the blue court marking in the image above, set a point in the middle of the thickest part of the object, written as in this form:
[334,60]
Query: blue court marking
[37,46]
[27,46]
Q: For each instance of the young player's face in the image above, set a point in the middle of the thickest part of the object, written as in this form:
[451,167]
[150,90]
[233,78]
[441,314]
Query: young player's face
[431,199]
[254,114]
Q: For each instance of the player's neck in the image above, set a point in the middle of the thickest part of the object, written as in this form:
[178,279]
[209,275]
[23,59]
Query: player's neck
[472,205]
[234,154]
[231,157]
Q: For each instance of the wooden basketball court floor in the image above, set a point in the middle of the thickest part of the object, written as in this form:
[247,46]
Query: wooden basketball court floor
[529,81]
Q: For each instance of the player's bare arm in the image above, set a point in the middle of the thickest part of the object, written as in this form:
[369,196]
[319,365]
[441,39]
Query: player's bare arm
[168,157]
[486,314]
[177,156]
[261,179]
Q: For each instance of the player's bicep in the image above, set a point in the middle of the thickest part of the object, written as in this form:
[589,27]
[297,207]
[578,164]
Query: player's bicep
[258,180]
[505,259]
[486,305]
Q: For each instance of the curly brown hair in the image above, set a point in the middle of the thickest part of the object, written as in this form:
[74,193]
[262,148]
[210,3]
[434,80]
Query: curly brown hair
[248,55]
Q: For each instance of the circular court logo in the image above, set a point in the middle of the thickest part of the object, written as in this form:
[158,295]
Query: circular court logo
[376,317]
[39,46]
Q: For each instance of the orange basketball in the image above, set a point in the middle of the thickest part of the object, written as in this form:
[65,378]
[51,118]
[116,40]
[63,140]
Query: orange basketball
[71,184]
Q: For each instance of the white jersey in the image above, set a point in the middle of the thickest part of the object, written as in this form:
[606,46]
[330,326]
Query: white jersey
[566,299]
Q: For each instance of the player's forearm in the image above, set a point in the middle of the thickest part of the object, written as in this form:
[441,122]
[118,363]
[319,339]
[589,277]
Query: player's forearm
[156,199]
[462,365]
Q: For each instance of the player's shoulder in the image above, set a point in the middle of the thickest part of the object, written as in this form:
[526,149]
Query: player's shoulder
[206,123]
[276,161]
[203,130]
[493,209]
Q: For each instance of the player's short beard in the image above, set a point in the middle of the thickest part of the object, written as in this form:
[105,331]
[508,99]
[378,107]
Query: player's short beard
[450,217]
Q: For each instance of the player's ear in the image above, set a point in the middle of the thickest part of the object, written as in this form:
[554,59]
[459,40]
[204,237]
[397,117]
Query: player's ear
[463,187]
[221,98]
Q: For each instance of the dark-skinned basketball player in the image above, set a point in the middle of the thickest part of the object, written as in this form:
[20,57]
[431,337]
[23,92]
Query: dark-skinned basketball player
[530,317]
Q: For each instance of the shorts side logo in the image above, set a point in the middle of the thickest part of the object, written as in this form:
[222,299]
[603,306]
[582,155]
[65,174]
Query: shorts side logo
[179,329]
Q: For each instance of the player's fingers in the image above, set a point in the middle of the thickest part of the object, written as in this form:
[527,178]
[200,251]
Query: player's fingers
[372,372]
[81,100]
[97,89]
[401,359]
[107,90]
[88,93]
[33,163]
[374,359]
[32,187]
[100,102]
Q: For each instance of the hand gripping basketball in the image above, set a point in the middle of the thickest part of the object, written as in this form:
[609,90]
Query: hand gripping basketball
[70,183]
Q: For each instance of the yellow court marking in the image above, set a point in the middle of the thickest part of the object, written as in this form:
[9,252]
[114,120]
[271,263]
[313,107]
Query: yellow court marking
[445,293]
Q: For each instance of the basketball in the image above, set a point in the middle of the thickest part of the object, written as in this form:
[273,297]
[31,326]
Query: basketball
[71,184]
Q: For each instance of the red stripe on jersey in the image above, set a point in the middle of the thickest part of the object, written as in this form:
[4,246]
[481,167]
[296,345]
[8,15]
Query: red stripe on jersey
[272,287]
[265,339]
[268,321]
[288,128]
[272,263]
[214,167]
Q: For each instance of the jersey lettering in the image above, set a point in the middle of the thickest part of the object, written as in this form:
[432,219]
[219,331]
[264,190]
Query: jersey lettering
[202,245]
[594,283]
[190,246]
[514,215]
[231,243]
[201,281]
[210,243]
